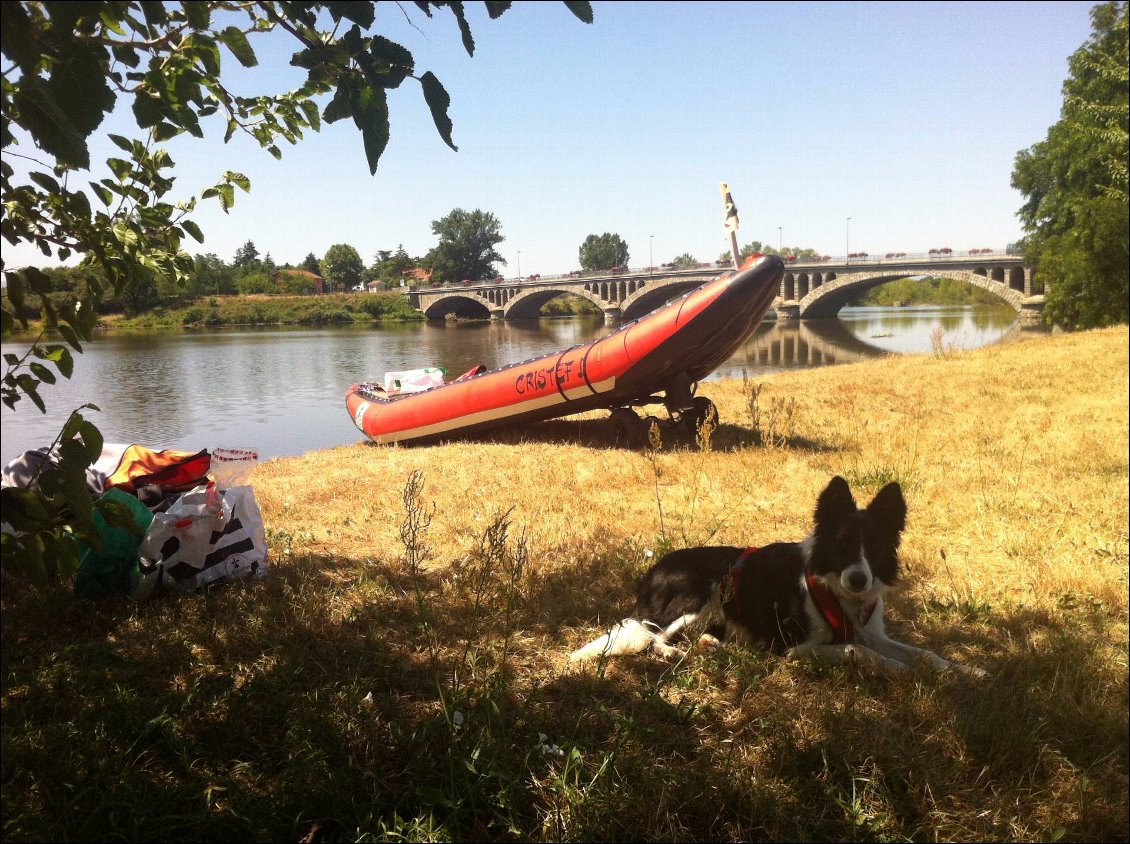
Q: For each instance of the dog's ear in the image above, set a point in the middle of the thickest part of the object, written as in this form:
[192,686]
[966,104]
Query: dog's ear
[889,509]
[834,504]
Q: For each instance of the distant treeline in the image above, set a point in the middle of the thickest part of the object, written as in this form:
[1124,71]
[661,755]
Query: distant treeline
[928,291]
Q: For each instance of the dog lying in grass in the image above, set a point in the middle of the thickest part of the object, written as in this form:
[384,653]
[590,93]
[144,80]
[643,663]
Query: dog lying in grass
[822,596]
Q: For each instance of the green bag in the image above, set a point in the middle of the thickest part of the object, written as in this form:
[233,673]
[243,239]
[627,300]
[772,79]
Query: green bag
[115,569]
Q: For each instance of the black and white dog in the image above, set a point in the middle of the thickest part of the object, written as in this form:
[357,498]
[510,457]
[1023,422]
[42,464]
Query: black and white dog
[822,596]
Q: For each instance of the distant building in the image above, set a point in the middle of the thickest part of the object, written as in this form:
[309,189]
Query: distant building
[414,276]
[417,275]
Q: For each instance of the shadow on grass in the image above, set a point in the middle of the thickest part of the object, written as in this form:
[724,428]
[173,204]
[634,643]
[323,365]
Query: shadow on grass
[598,434]
[245,714]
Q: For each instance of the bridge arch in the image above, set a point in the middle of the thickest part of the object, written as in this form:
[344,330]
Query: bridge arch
[827,299]
[646,299]
[527,304]
[467,305]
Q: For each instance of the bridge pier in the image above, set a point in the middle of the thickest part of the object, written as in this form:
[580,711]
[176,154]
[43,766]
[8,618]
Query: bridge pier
[497,313]
[1032,310]
[788,310]
[612,316]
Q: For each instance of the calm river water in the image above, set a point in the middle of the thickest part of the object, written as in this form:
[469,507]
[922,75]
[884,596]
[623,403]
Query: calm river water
[282,391]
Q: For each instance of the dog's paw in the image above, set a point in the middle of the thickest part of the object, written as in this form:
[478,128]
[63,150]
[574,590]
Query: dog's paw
[708,642]
[667,651]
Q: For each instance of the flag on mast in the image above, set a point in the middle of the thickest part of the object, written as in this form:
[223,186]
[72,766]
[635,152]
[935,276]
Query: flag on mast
[731,224]
[731,209]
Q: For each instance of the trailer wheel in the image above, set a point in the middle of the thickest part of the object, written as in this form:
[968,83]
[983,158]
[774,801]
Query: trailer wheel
[702,412]
[628,430]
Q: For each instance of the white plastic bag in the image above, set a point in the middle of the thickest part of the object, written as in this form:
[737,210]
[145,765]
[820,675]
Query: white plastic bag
[208,535]
[413,380]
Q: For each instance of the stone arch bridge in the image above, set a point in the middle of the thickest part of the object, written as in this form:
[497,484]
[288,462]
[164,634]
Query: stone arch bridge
[808,290]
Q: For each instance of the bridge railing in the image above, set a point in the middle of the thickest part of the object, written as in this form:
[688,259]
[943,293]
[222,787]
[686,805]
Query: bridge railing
[704,269]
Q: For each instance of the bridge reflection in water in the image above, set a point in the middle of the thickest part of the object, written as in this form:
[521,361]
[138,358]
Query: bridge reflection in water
[864,333]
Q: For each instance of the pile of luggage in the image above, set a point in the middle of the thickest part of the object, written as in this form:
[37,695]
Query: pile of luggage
[196,520]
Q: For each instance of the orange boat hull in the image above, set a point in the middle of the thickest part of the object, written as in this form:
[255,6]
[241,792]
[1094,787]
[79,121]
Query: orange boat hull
[671,348]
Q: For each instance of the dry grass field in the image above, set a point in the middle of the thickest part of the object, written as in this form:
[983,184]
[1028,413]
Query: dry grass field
[402,673]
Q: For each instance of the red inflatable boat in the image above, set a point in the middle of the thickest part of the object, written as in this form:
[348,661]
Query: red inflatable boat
[666,352]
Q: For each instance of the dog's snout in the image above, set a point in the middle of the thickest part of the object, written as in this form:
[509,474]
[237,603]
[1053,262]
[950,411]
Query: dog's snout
[857,580]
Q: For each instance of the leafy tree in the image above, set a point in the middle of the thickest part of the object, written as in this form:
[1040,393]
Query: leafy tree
[603,252]
[255,282]
[310,264]
[395,267]
[686,260]
[466,248]
[211,276]
[343,267]
[294,283]
[69,64]
[374,269]
[246,257]
[1076,215]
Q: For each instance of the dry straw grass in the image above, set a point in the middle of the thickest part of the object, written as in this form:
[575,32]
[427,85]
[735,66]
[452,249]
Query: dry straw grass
[248,705]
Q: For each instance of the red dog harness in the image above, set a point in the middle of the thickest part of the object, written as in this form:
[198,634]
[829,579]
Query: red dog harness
[736,568]
[843,631]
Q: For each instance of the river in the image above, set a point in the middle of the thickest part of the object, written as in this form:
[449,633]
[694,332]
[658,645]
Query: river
[282,390]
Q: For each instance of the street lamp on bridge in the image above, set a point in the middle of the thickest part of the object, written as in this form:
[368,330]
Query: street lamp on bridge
[847,239]
[780,242]
[519,265]
[650,253]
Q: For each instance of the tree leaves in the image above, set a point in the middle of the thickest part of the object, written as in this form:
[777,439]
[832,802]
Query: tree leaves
[370,115]
[234,39]
[438,101]
[582,9]
[1074,182]
[466,248]
[603,252]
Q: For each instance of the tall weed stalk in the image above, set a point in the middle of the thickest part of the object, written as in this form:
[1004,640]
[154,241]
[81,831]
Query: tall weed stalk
[684,533]
[772,420]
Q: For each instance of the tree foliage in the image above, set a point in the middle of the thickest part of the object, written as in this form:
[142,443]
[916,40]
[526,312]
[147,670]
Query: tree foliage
[757,247]
[342,267]
[391,267]
[245,256]
[310,264]
[68,66]
[466,248]
[1076,213]
[603,252]
[932,290]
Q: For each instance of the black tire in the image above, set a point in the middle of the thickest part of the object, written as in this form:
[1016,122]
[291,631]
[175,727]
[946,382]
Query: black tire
[703,410]
[627,428]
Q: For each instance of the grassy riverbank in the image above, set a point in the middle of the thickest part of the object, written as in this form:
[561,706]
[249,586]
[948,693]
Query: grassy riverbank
[394,675]
[330,309]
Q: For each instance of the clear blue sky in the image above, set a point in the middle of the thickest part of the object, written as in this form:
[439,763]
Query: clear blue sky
[905,117]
